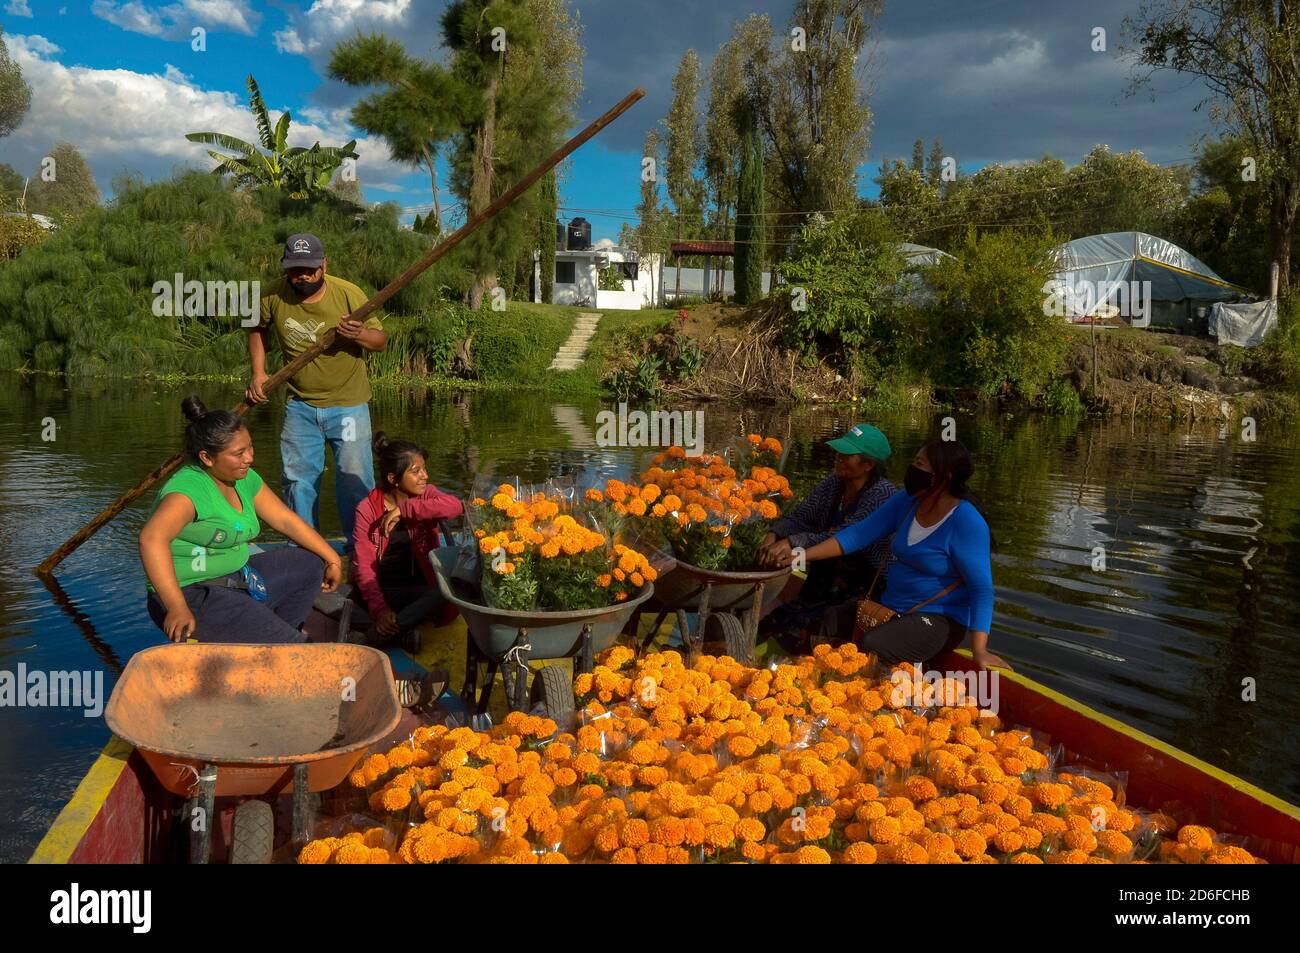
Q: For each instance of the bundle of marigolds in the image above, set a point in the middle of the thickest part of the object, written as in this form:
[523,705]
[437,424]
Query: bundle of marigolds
[534,556]
[819,761]
[710,513]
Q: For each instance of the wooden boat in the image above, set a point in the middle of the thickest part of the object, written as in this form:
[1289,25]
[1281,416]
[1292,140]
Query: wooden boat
[120,814]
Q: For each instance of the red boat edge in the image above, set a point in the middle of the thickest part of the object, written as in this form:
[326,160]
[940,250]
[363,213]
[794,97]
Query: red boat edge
[1160,776]
[121,814]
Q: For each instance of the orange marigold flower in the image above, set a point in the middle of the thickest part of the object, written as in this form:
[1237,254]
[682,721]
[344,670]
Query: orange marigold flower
[812,854]
[860,853]
[1199,838]
[316,852]
[886,830]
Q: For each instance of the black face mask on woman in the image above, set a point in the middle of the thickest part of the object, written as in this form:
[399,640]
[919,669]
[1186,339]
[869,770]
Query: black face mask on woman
[916,480]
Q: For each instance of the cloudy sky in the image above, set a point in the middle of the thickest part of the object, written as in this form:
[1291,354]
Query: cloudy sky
[997,81]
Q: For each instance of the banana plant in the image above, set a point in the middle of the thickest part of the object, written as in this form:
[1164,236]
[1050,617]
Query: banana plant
[302,171]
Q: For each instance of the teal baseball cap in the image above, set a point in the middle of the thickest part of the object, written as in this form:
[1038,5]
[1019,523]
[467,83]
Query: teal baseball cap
[864,439]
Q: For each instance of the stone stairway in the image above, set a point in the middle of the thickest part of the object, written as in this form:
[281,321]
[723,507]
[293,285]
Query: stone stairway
[572,351]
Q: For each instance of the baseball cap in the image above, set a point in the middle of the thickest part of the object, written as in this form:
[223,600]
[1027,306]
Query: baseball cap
[864,439]
[303,251]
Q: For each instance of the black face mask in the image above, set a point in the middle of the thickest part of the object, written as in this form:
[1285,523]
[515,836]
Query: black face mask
[305,289]
[916,480]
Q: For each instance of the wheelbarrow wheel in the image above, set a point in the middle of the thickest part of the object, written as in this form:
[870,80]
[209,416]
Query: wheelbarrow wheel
[252,833]
[725,629]
[553,687]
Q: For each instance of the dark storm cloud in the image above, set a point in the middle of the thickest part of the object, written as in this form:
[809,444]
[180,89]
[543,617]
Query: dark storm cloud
[997,81]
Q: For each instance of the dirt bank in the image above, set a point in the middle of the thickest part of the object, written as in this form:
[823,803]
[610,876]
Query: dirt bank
[1142,373]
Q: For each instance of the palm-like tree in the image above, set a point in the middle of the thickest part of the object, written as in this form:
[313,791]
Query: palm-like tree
[301,171]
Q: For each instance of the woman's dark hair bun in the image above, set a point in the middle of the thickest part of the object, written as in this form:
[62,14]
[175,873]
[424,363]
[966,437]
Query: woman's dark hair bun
[193,408]
[379,442]
[209,430]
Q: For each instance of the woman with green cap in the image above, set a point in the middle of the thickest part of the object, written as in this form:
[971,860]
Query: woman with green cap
[827,600]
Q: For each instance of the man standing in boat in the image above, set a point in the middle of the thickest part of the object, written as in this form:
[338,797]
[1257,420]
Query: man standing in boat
[329,398]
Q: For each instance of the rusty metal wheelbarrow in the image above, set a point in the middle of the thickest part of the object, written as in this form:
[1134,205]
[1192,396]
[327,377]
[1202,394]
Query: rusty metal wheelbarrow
[721,600]
[507,639]
[217,720]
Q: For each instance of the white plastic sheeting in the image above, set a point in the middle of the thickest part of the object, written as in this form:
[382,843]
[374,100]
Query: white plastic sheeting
[1132,270]
[1245,324]
[912,286]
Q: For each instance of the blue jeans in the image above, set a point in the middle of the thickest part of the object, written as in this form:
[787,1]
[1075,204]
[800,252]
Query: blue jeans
[302,453]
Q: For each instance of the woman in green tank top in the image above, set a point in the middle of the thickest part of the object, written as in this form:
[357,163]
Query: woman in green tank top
[202,582]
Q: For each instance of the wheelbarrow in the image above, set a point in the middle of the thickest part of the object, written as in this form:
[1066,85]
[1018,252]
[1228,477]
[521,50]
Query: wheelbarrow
[216,720]
[728,605]
[506,639]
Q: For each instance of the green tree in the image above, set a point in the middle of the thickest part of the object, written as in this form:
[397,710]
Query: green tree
[300,171]
[426,225]
[751,210]
[1225,221]
[517,107]
[685,190]
[813,109]
[15,93]
[986,327]
[842,276]
[934,166]
[1109,192]
[11,187]
[911,203]
[918,156]
[72,191]
[418,109]
[1248,55]
[547,216]
[649,229]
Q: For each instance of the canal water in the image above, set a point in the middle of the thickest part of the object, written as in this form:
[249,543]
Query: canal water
[1147,569]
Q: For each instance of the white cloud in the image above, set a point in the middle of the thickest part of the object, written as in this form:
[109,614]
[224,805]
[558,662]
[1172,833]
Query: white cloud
[174,75]
[174,21]
[121,119]
[288,41]
[328,21]
[131,16]
[18,8]
[38,44]
[1015,67]
[236,14]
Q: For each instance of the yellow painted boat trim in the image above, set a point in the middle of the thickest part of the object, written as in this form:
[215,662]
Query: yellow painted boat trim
[1236,783]
[59,842]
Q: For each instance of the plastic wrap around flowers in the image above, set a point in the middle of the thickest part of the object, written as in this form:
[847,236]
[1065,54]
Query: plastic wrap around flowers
[536,556]
[710,513]
[823,760]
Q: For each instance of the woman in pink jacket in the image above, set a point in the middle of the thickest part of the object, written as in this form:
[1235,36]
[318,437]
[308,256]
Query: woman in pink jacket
[396,527]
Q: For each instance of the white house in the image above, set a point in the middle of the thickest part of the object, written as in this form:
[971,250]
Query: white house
[577,277]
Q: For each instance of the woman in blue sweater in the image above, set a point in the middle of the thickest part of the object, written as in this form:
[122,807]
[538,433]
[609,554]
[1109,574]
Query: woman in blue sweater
[940,580]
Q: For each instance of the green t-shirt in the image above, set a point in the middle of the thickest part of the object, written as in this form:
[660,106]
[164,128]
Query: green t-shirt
[336,378]
[216,542]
